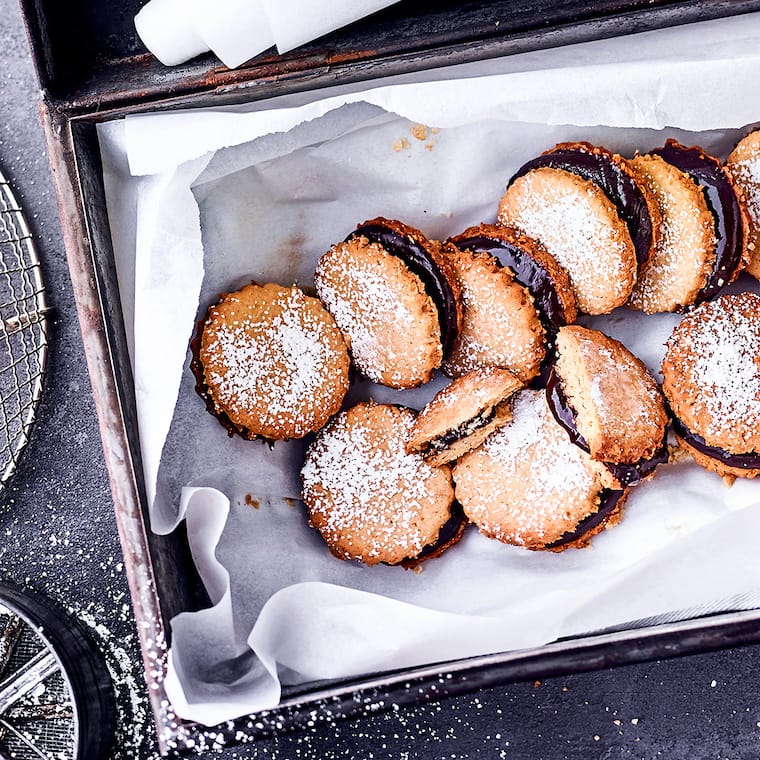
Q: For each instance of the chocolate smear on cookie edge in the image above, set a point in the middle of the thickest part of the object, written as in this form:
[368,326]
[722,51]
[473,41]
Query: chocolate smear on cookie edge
[598,166]
[422,264]
[747,461]
[531,275]
[608,501]
[710,176]
[565,415]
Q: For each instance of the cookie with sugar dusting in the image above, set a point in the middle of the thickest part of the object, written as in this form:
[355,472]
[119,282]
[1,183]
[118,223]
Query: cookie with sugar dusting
[527,484]
[612,173]
[608,402]
[743,164]
[685,242]
[372,501]
[711,378]
[514,298]
[463,414]
[270,362]
[500,323]
[578,224]
[394,297]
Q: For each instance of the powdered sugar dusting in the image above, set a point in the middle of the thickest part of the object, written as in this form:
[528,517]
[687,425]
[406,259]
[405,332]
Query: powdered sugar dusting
[747,173]
[540,484]
[370,309]
[566,218]
[685,243]
[724,345]
[273,361]
[367,491]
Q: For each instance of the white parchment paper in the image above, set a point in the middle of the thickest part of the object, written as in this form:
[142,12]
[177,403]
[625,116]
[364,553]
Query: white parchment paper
[213,199]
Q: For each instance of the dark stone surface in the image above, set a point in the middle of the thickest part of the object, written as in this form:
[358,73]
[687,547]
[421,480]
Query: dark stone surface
[57,535]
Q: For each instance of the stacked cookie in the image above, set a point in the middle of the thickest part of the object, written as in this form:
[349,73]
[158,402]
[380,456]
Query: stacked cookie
[545,425]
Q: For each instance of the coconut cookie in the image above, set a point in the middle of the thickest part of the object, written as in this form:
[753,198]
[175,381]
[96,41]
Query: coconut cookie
[744,167]
[463,414]
[270,362]
[515,296]
[608,402]
[395,299]
[369,499]
[609,171]
[711,376]
[685,251]
[530,486]
[729,213]
[580,227]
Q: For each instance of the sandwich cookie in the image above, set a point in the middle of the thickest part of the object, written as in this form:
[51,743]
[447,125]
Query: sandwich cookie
[711,374]
[729,213]
[372,501]
[463,414]
[609,171]
[527,484]
[270,362]
[395,298]
[744,167]
[580,227]
[515,296]
[609,404]
[685,250]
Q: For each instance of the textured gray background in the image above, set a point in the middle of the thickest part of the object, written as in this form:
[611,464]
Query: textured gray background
[57,534]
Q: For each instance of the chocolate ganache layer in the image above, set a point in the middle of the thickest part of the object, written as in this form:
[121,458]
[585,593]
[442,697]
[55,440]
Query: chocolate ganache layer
[466,428]
[450,532]
[747,461]
[531,275]
[707,172]
[608,500]
[600,167]
[419,261]
[625,474]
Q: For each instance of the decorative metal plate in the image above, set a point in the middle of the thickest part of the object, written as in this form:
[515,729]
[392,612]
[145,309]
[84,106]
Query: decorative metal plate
[38,718]
[23,332]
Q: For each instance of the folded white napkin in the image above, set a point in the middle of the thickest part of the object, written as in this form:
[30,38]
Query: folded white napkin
[236,30]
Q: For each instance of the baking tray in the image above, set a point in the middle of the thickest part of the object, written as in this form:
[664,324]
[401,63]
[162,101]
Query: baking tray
[92,68]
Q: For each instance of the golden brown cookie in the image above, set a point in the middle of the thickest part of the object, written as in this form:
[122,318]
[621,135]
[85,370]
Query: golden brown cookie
[634,201]
[711,374]
[685,241]
[463,414]
[609,403]
[395,299]
[577,223]
[368,498]
[483,339]
[500,323]
[529,485]
[744,167]
[726,206]
[270,362]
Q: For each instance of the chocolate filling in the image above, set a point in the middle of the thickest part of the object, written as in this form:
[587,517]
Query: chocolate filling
[468,427]
[721,200]
[618,186]
[608,500]
[450,532]
[531,275]
[419,261]
[748,461]
[625,474]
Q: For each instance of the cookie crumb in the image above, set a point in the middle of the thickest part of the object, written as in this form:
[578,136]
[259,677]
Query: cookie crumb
[419,131]
[401,144]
